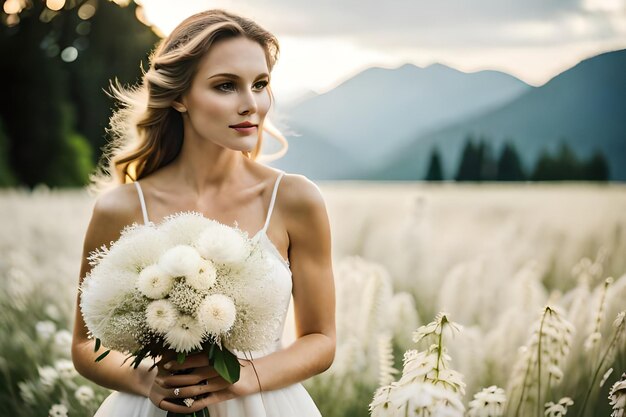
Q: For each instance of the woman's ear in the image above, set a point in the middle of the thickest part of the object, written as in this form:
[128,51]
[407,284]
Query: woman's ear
[179,107]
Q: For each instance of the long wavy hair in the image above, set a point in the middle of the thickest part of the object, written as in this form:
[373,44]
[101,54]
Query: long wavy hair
[145,132]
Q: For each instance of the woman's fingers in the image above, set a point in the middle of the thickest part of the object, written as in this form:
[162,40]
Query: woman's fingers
[192,361]
[193,378]
[198,404]
[215,384]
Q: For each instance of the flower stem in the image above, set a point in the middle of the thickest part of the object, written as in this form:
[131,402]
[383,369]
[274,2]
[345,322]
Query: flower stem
[616,336]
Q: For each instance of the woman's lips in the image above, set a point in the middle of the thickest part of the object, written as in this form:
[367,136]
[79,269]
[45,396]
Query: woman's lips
[246,130]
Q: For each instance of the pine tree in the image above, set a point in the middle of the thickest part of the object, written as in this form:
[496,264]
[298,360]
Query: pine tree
[509,165]
[469,165]
[597,167]
[434,173]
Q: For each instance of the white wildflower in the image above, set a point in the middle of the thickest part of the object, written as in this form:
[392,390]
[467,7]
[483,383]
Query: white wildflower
[217,314]
[617,395]
[84,395]
[154,282]
[45,329]
[385,360]
[381,405]
[53,312]
[27,393]
[489,402]
[559,409]
[161,316]
[441,324]
[63,342]
[48,377]
[223,244]
[186,335]
[423,399]
[180,261]
[58,410]
[65,368]
[606,376]
[205,278]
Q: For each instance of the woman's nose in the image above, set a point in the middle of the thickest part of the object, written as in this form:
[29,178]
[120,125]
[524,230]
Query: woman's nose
[248,103]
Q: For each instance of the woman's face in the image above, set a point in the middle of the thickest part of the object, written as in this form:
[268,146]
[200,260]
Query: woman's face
[229,88]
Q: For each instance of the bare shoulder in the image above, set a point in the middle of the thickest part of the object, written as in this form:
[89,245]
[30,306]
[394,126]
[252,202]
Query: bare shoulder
[112,211]
[300,195]
[302,205]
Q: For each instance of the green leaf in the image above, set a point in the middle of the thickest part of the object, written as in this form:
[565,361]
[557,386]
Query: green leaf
[97,347]
[227,365]
[180,358]
[212,353]
[99,358]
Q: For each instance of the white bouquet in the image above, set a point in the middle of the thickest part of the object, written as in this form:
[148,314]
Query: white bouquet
[189,284]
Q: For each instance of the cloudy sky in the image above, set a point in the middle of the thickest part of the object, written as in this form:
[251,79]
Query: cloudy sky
[324,42]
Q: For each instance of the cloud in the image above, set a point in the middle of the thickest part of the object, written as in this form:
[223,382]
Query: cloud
[453,23]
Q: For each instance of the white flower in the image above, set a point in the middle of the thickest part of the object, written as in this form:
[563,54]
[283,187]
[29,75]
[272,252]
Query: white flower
[65,368]
[27,392]
[58,410]
[180,261]
[63,341]
[154,282]
[45,329]
[489,402]
[161,316]
[84,395]
[381,405]
[606,376]
[186,335]
[53,312]
[424,399]
[559,409]
[217,314]
[617,395]
[48,376]
[223,244]
[204,278]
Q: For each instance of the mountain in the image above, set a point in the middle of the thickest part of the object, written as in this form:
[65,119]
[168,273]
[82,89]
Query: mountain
[585,106]
[377,112]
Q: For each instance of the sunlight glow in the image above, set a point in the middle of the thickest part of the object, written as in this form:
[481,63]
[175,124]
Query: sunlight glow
[55,4]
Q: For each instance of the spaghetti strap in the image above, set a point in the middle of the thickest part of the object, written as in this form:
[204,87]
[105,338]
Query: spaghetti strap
[144,211]
[272,201]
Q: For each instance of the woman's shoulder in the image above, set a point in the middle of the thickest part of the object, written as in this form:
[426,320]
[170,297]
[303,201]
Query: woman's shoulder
[299,196]
[118,205]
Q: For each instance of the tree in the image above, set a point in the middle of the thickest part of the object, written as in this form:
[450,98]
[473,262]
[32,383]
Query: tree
[7,178]
[470,165]
[53,106]
[597,167]
[509,165]
[434,172]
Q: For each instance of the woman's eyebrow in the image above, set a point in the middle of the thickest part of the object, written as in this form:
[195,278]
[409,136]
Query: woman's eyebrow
[235,76]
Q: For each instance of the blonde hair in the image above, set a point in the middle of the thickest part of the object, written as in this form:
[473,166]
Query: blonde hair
[146,132]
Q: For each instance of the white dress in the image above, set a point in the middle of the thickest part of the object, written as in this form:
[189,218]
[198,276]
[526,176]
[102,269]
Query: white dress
[291,401]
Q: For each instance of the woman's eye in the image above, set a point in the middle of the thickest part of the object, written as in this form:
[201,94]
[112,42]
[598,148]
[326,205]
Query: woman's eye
[261,85]
[226,87]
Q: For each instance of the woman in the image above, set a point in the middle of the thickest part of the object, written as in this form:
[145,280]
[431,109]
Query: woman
[187,139]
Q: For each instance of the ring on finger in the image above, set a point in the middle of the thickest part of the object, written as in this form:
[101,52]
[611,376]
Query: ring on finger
[188,402]
[176,392]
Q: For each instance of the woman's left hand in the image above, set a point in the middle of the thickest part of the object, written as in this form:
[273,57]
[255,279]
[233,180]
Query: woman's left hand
[203,383]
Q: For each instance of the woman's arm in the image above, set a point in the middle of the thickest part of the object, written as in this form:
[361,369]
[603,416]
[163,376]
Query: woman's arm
[304,214]
[108,219]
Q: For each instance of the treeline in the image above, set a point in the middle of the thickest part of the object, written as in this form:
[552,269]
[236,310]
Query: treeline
[55,66]
[479,163]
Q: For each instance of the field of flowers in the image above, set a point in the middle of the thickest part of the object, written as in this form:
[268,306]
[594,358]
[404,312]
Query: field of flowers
[517,292]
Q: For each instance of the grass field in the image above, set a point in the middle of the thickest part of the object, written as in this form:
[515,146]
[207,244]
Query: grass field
[491,256]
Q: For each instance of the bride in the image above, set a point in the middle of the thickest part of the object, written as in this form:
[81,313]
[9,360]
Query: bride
[187,139]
